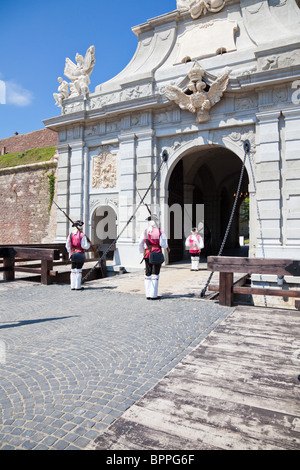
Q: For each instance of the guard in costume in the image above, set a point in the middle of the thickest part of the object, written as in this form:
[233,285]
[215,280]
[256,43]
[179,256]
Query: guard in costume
[194,243]
[151,242]
[76,245]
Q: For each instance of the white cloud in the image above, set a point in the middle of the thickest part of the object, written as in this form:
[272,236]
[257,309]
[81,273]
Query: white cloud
[17,95]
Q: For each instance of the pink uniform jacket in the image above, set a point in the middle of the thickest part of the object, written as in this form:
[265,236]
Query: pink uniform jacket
[153,238]
[75,242]
[193,246]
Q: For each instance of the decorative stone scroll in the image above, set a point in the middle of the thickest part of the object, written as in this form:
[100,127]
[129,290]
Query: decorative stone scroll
[104,171]
[200,7]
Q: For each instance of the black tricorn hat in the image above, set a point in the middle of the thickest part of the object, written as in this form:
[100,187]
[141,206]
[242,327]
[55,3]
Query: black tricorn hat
[78,223]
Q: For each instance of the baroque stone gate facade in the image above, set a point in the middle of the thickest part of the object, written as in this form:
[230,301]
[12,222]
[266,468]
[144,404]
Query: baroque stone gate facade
[205,77]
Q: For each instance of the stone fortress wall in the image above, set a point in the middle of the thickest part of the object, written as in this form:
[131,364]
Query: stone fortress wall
[24,193]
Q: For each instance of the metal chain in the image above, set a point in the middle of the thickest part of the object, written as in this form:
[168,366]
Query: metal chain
[247,150]
[164,159]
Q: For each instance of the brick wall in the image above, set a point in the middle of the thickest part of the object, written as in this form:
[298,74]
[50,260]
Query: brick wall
[32,140]
[24,198]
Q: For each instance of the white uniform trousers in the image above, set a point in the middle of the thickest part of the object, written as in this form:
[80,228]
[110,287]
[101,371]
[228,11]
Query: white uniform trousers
[151,286]
[195,263]
[76,276]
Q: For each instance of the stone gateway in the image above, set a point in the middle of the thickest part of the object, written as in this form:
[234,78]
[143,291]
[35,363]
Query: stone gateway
[205,78]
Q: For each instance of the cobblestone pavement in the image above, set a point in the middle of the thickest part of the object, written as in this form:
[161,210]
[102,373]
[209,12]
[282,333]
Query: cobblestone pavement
[73,362]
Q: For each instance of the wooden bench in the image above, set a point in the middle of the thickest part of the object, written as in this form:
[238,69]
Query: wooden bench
[48,256]
[227,266]
[12,254]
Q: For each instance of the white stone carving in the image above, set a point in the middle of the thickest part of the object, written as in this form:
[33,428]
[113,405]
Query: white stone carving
[63,90]
[277,61]
[79,73]
[103,201]
[104,171]
[73,107]
[200,7]
[245,102]
[198,101]
[239,138]
[127,94]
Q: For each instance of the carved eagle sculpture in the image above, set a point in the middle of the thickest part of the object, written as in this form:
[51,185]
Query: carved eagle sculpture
[197,100]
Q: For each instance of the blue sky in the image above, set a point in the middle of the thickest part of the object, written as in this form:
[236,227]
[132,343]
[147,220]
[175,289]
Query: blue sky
[38,35]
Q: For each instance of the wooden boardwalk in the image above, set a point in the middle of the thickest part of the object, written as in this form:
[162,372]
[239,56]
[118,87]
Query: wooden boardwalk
[238,390]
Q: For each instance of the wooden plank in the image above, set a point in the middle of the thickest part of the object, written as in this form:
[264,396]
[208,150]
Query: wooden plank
[254,265]
[53,246]
[259,291]
[242,421]
[24,269]
[132,435]
[266,291]
[36,253]
[237,390]
[239,282]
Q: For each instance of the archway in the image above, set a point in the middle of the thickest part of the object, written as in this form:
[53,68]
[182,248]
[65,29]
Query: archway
[206,176]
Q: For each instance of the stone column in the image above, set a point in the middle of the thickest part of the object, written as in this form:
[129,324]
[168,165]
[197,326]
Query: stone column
[291,209]
[268,182]
[146,168]
[127,178]
[86,179]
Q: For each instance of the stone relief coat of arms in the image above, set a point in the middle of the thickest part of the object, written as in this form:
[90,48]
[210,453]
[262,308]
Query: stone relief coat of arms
[104,171]
[196,99]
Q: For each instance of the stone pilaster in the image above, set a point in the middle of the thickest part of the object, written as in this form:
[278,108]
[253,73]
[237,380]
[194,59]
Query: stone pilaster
[127,177]
[63,181]
[268,182]
[76,180]
[292,178]
[146,168]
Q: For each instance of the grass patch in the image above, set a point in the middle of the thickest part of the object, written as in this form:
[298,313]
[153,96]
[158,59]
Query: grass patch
[29,156]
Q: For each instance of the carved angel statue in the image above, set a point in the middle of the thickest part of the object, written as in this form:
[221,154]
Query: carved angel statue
[79,73]
[197,7]
[195,99]
[63,89]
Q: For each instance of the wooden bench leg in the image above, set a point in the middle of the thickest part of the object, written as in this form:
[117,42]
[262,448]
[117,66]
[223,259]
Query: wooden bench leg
[226,286]
[9,264]
[47,266]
